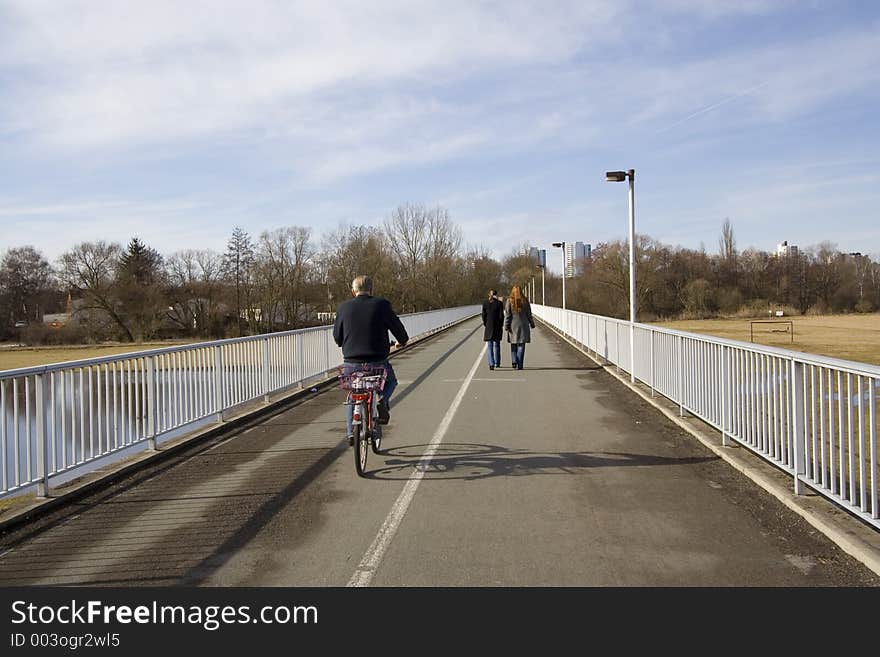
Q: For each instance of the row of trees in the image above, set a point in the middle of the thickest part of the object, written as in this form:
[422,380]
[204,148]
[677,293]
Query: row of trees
[674,282]
[277,281]
[282,279]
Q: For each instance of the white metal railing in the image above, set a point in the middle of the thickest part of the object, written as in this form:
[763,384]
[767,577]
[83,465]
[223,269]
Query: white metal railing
[812,416]
[56,419]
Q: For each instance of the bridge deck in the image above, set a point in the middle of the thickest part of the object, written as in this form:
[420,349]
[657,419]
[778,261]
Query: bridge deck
[554,475]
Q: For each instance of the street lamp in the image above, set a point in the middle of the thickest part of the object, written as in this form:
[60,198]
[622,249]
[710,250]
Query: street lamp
[561,245]
[620,176]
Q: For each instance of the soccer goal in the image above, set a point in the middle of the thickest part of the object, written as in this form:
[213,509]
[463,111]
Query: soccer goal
[771,328]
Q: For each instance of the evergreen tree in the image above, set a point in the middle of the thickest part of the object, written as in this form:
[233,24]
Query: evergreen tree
[238,264]
[139,276]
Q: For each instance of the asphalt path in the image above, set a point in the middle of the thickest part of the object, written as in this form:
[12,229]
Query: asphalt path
[556,475]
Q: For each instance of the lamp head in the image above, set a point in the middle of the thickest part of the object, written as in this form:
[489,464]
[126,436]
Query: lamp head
[615,176]
[558,243]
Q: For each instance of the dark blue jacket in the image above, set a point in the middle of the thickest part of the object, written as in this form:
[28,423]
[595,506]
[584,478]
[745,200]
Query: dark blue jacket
[362,326]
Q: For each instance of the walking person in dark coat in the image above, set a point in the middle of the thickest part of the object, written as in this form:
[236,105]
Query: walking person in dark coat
[493,323]
[518,323]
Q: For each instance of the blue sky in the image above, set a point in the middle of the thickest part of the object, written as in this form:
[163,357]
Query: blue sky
[178,121]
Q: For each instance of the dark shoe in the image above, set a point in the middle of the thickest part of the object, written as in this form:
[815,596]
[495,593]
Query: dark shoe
[491,367]
[384,415]
[351,441]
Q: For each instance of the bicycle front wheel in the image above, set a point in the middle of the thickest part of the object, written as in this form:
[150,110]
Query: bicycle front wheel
[361,447]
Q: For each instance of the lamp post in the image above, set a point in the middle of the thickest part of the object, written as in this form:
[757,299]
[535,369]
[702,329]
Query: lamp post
[620,176]
[561,245]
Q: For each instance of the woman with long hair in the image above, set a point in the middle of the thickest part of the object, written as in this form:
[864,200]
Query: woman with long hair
[518,323]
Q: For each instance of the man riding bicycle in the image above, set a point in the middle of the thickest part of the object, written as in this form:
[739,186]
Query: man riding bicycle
[361,329]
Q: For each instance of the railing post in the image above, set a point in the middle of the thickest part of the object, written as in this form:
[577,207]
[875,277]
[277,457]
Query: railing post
[651,334]
[797,416]
[872,449]
[632,352]
[589,341]
[42,448]
[266,370]
[302,367]
[151,401]
[680,377]
[617,345]
[725,392]
[218,383]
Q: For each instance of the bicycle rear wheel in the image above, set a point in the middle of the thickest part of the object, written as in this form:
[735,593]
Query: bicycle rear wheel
[361,448]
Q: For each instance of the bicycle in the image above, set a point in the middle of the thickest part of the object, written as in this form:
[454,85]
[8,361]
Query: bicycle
[363,384]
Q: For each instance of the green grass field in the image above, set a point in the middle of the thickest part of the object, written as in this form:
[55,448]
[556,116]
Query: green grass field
[851,337]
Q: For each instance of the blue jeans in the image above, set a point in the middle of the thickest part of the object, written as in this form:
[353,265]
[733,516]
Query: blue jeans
[494,352]
[390,385]
[517,353]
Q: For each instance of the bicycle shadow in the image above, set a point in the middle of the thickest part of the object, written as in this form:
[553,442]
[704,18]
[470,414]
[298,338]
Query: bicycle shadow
[560,369]
[470,461]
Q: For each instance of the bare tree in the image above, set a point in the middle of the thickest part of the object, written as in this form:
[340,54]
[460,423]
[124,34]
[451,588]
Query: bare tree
[727,242]
[426,244]
[482,273]
[284,256]
[407,233]
[194,290]
[24,278]
[728,265]
[825,272]
[89,269]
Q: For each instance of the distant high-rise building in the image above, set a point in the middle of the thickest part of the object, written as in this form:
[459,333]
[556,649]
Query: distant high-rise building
[538,255]
[575,254]
[784,249]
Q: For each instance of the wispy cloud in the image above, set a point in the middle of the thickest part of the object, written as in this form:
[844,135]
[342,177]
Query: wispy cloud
[263,109]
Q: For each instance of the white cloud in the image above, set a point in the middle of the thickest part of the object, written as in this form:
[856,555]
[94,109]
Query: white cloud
[310,94]
[101,75]
[347,86]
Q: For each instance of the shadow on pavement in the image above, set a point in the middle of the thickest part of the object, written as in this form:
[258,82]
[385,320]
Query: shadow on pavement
[475,461]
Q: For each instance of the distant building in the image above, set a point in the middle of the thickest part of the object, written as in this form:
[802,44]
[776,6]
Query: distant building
[784,250]
[60,320]
[538,255]
[56,320]
[575,254]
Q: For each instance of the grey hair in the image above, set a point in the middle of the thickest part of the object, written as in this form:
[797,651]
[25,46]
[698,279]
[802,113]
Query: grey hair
[362,284]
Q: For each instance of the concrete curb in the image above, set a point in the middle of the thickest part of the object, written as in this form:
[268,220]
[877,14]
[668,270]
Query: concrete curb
[848,532]
[245,418]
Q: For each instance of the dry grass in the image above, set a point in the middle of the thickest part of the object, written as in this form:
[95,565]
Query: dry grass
[15,357]
[851,337]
